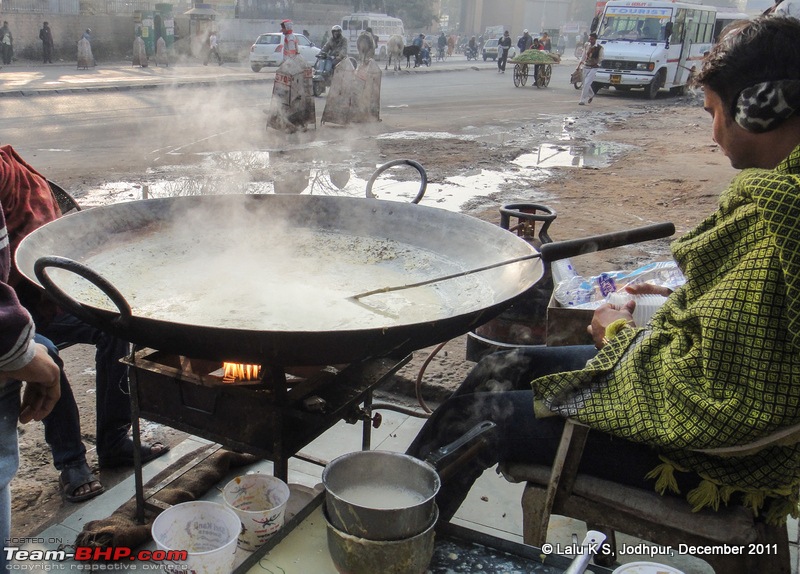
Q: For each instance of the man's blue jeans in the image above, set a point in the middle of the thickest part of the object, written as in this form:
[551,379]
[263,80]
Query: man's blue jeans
[62,426]
[9,456]
[498,390]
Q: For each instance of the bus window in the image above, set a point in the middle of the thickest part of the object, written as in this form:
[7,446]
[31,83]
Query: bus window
[677,27]
[708,27]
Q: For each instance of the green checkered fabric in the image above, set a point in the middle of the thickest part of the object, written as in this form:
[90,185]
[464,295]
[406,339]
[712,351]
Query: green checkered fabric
[719,363]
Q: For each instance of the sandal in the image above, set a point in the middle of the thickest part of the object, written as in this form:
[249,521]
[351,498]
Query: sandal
[75,475]
[123,454]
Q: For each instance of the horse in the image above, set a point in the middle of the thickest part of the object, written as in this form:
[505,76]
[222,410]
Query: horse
[366,47]
[410,51]
[394,49]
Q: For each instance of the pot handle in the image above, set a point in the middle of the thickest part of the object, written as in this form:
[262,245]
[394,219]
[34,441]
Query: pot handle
[423,177]
[563,249]
[449,458]
[76,308]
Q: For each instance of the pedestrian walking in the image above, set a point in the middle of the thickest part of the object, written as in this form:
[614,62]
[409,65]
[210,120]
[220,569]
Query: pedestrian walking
[592,56]
[85,56]
[46,36]
[6,43]
[503,46]
[213,49]
[525,41]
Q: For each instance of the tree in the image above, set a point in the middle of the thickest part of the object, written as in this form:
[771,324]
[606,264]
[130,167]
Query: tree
[369,6]
[416,14]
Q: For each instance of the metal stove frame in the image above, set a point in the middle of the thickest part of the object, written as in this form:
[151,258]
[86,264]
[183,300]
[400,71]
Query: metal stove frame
[284,422]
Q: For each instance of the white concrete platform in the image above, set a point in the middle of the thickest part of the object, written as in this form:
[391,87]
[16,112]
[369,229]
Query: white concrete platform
[493,505]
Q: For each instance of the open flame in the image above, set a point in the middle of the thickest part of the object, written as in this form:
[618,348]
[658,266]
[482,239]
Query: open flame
[233,372]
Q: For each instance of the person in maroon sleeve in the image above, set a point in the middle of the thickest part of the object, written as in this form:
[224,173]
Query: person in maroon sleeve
[21,359]
[28,203]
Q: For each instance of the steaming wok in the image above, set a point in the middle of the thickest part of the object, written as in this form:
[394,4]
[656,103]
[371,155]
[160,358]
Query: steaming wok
[267,278]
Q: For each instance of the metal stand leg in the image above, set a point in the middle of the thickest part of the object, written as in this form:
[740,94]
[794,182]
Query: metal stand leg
[281,462]
[137,441]
[366,430]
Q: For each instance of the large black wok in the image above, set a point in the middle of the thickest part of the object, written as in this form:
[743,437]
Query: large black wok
[267,278]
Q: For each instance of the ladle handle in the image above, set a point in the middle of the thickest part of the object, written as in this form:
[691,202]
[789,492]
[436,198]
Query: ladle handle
[75,307]
[573,247]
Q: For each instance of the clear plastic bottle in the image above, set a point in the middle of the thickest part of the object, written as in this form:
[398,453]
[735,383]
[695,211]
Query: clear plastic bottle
[562,270]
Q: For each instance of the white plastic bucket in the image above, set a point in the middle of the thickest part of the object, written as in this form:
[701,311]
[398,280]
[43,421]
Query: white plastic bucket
[206,530]
[259,500]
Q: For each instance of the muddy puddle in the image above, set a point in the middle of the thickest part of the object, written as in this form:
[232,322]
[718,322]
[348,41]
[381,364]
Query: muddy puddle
[557,144]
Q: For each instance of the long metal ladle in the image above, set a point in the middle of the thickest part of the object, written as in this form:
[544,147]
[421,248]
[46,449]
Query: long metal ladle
[548,252]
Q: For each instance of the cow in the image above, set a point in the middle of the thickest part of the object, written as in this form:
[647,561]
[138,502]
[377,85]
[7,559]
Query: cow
[394,48]
[409,52]
[366,47]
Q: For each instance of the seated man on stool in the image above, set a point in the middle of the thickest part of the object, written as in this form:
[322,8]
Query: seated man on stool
[718,365]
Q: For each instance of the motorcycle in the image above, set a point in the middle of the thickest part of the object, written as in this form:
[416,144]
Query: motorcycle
[425,56]
[322,74]
[472,53]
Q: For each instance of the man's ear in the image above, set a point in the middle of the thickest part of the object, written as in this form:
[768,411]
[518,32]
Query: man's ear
[763,107]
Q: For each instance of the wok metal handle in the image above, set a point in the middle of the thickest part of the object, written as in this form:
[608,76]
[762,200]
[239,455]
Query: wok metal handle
[75,307]
[570,248]
[423,177]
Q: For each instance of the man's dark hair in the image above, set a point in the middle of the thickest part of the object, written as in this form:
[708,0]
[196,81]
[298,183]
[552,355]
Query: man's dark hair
[750,52]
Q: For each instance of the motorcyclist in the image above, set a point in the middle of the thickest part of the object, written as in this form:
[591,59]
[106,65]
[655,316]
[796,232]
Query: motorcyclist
[419,41]
[472,47]
[335,49]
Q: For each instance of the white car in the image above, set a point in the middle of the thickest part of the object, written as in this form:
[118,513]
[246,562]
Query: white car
[268,50]
[490,50]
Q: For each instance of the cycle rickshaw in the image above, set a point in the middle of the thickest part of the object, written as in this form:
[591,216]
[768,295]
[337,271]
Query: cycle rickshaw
[535,63]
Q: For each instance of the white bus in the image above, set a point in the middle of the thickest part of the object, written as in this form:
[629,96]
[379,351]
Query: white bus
[652,44]
[383,27]
[727,16]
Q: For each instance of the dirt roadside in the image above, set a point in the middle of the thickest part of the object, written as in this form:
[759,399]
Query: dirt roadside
[669,170]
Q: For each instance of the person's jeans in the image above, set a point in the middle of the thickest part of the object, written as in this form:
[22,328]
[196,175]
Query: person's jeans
[498,390]
[62,426]
[502,56]
[9,456]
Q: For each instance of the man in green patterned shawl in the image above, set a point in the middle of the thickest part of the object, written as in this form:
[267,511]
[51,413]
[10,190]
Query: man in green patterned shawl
[719,364]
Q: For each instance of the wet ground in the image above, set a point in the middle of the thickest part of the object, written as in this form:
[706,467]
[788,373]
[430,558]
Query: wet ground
[464,172]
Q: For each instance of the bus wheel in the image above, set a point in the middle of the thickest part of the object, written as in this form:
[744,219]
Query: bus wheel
[653,87]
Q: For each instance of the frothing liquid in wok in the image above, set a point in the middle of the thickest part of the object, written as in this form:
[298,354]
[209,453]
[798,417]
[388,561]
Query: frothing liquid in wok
[267,280]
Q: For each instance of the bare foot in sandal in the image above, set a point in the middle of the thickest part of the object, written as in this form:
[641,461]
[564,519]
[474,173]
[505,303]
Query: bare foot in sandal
[78,483]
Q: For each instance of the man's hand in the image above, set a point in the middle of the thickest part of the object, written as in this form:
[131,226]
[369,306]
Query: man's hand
[603,316]
[42,388]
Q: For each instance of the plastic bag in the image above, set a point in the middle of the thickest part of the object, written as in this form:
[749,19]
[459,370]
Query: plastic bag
[592,291]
